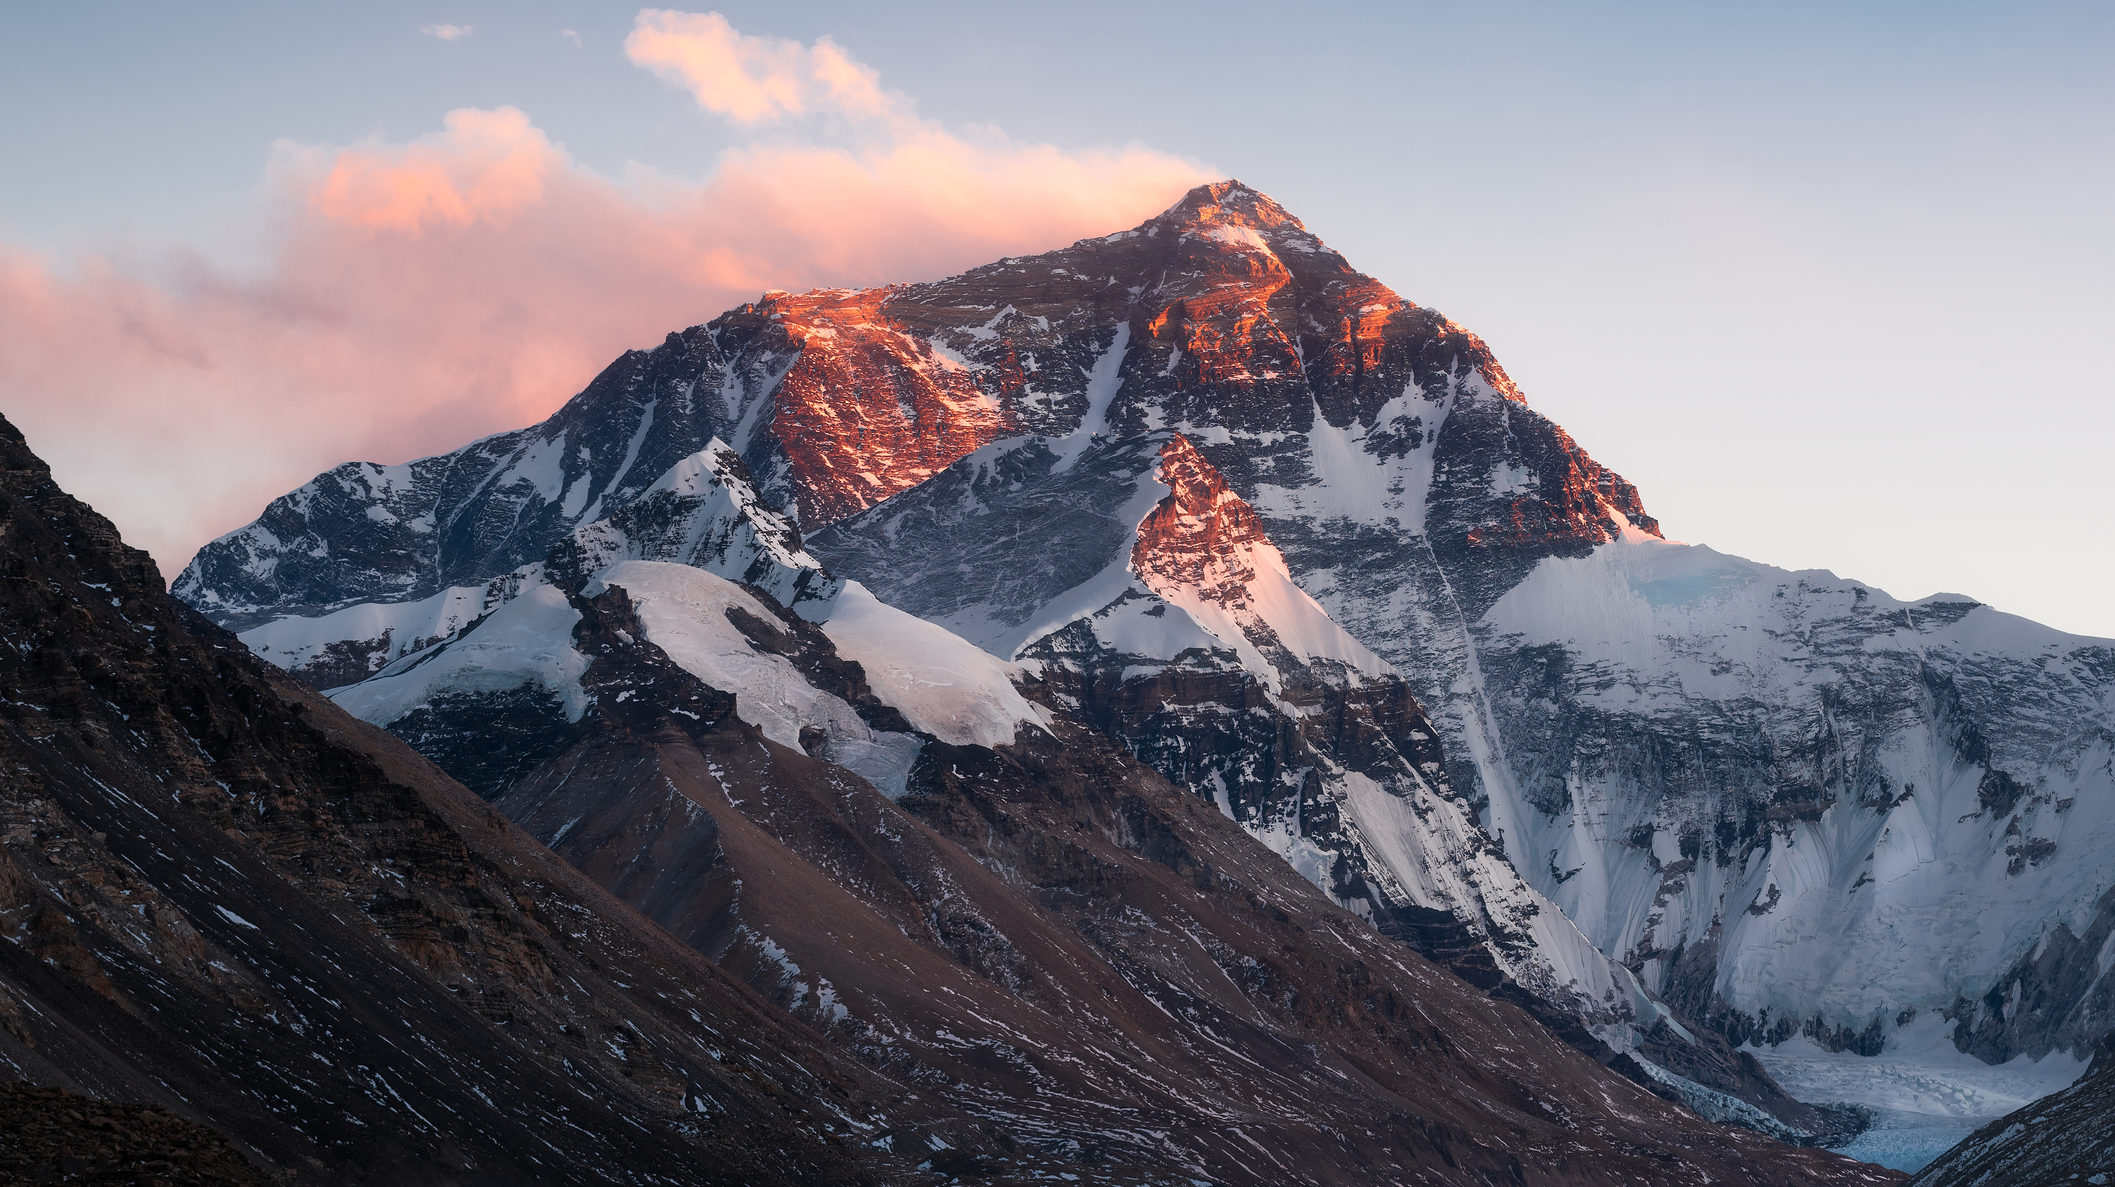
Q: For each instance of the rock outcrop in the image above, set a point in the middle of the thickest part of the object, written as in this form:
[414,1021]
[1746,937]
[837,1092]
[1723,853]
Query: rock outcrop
[50,1135]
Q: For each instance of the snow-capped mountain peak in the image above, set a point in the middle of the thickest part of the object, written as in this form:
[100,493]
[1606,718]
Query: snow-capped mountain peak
[1236,217]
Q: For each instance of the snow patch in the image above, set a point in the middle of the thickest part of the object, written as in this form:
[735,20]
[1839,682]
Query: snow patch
[943,684]
[685,613]
[1102,383]
[528,640]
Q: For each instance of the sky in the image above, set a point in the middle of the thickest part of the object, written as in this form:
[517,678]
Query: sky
[1828,282]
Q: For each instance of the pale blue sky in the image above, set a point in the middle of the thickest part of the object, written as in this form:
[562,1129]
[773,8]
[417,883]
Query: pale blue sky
[1830,282]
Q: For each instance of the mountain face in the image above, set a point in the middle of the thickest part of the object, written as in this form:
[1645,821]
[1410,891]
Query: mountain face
[1194,649]
[1895,807]
[1189,643]
[838,400]
[917,849]
[1783,801]
[224,897]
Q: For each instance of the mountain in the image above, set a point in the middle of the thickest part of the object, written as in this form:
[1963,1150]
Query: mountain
[1785,803]
[285,934]
[1194,649]
[837,400]
[916,848]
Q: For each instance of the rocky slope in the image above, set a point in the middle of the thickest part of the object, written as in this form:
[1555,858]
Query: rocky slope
[1010,913]
[222,896]
[1789,803]
[2067,1137]
[50,1135]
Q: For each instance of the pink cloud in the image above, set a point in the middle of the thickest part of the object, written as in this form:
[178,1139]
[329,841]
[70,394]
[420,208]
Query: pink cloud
[419,295]
[484,165]
[752,79]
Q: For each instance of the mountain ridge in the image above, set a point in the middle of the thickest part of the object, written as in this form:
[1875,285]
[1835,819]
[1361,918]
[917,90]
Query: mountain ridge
[221,895]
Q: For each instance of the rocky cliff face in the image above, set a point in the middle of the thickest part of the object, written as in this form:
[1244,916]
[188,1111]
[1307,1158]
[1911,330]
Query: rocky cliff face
[222,896]
[1765,792]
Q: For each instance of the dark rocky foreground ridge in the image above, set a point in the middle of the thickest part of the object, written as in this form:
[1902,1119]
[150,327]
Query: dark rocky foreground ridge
[225,897]
[222,896]
[56,1136]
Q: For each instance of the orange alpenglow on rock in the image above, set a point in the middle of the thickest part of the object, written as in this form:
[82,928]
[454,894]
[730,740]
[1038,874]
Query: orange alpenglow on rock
[1203,536]
[868,410]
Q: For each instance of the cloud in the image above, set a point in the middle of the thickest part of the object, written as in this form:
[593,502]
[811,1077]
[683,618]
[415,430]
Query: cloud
[446,32]
[420,294]
[572,35]
[755,79]
[483,166]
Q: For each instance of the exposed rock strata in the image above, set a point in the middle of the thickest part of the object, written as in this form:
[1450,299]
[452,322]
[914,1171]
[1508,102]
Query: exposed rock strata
[49,1135]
